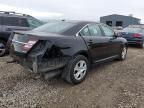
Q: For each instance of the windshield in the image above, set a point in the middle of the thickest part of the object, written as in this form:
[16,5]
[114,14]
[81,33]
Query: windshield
[132,30]
[54,27]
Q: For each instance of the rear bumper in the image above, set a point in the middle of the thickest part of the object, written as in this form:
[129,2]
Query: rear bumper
[47,66]
[135,41]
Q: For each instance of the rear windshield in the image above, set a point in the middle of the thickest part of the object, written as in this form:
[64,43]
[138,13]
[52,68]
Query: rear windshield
[133,30]
[54,27]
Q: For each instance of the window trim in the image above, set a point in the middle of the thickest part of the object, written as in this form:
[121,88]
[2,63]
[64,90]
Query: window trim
[88,31]
[98,24]
[77,34]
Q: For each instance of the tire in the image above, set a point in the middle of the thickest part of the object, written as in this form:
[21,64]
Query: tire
[76,70]
[142,45]
[123,53]
[2,48]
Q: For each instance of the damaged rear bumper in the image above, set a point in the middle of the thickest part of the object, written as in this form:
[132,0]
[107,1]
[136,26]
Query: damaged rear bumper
[50,65]
[42,66]
[43,57]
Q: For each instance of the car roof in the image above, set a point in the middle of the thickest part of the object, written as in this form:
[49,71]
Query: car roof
[80,22]
[13,14]
[77,26]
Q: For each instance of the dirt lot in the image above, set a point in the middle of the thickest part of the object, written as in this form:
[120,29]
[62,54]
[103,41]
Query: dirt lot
[112,85]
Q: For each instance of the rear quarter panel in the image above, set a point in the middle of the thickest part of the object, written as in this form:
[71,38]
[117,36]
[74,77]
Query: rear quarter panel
[71,45]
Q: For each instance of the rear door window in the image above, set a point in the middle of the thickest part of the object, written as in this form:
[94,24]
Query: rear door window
[94,30]
[85,32]
[14,21]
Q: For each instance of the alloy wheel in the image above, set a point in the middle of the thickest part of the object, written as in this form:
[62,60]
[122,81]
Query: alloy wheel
[143,44]
[80,70]
[124,52]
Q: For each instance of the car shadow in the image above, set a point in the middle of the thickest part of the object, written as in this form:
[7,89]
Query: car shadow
[58,82]
[95,67]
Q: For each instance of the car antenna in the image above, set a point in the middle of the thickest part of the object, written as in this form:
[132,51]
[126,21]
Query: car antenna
[63,20]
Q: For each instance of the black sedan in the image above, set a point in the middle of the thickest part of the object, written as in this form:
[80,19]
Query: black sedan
[134,35]
[67,48]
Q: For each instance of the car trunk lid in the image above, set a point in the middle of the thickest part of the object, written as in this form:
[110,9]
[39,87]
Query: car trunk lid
[23,42]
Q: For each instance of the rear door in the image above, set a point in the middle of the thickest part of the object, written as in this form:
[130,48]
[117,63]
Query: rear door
[114,44]
[96,41]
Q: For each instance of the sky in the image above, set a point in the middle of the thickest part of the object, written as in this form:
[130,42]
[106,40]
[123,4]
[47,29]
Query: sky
[74,9]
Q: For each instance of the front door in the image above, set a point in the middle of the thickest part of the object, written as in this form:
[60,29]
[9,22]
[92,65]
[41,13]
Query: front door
[114,43]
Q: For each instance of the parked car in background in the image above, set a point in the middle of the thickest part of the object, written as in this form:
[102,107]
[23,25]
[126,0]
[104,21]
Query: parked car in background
[118,28]
[67,48]
[134,34]
[11,21]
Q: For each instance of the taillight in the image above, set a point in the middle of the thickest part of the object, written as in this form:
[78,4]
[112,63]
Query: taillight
[27,46]
[137,35]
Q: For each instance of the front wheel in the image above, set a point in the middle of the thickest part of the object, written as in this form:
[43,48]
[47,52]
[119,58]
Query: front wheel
[123,53]
[142,45]
[76,70]
[2,48]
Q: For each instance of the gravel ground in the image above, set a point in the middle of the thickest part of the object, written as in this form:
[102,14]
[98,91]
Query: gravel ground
[111,85]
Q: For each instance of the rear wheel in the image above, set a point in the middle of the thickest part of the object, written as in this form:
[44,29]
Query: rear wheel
[76,70]
[2,48]
[123,53]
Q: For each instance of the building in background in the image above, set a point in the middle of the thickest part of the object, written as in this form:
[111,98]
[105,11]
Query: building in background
[119,20]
